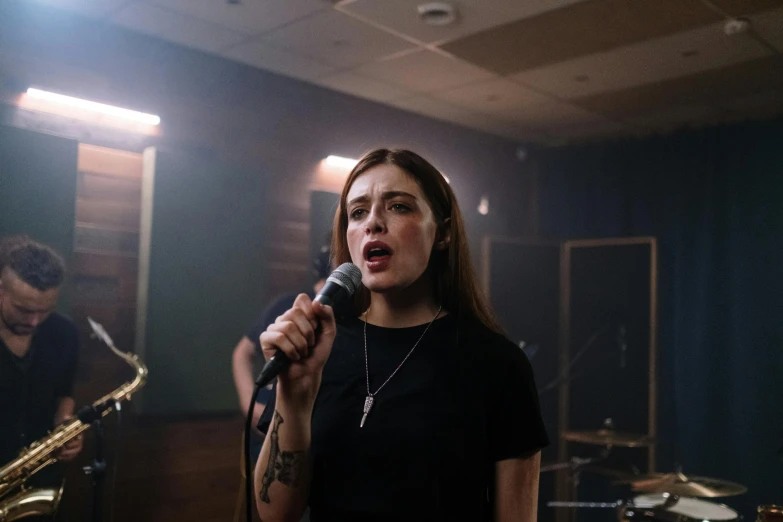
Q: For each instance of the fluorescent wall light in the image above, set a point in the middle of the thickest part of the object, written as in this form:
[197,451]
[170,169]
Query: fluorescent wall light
[339,161]
[94,107]
[483,207]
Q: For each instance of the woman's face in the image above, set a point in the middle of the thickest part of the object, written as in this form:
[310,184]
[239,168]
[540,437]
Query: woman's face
[391,228]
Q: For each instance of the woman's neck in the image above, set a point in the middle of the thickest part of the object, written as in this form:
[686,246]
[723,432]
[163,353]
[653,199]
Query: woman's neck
[402,309]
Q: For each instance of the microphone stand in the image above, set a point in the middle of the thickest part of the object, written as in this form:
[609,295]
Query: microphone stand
[97,470]
[561,378]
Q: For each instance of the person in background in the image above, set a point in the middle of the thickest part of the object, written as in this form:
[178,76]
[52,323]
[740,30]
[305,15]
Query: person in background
[248,351]
[39,350]
[414,406]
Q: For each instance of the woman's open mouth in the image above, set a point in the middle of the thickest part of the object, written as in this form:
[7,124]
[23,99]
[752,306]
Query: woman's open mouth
[377,255]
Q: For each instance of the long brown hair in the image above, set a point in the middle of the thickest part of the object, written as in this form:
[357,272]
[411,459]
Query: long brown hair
[452,272]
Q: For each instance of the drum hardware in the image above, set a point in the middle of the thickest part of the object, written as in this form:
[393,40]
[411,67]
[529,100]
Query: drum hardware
[685,509]
[626,511]
[608,437]
[679,484]
[662,507]
[576,464]
[575,467]
[770,513]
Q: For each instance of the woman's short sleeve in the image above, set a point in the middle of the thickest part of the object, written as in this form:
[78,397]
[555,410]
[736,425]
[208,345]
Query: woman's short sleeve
[515,426]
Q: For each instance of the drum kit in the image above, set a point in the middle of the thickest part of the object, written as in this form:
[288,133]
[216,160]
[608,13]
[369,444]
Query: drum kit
[661,497]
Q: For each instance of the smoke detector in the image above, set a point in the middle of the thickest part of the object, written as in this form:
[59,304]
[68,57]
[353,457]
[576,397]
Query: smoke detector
[736,26]
[437,13]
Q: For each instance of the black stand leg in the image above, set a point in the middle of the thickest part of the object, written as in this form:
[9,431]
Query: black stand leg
[98,471]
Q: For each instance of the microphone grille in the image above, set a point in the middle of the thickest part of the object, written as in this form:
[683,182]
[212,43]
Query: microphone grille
[348,276]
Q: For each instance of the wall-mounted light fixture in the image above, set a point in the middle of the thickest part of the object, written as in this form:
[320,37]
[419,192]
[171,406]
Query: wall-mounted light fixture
[91,108]
[339,161]
[483,207]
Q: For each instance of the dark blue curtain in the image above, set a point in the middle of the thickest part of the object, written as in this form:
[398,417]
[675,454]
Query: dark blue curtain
[714,200]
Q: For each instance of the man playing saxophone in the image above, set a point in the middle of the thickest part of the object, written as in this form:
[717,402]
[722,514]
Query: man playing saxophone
[38,353]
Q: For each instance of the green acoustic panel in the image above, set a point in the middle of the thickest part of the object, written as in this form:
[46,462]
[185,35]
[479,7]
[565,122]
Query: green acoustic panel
[200,279]
[323,206]
[38,174]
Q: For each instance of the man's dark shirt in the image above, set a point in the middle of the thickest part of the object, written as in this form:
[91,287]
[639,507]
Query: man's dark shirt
[31,386]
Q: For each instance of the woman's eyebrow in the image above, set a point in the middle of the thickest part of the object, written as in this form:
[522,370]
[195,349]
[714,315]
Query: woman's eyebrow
[386,195]
[397,193]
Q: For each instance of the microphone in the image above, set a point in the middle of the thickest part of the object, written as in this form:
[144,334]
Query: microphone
[339,287]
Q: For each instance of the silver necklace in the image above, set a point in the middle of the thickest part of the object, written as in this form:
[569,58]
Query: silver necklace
[370,399]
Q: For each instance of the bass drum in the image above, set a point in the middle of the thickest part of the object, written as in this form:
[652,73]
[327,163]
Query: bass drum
[686,509]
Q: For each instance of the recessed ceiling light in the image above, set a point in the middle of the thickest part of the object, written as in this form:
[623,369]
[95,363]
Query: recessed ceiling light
[437,13]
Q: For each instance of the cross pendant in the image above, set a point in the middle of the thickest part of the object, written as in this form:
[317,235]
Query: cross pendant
[367,407]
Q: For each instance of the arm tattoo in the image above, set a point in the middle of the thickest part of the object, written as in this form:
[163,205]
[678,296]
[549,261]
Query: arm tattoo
[285,466]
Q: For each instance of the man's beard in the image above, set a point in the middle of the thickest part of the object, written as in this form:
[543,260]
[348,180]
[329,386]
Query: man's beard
[16,328]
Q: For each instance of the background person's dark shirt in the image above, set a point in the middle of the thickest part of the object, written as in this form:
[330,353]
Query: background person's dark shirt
[277,308]
[31,386]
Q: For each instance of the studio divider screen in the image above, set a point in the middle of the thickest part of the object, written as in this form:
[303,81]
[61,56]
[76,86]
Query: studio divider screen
[585,313]
[201,278]
[38,191]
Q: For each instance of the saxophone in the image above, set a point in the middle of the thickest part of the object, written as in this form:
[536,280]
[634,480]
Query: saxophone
[44,501]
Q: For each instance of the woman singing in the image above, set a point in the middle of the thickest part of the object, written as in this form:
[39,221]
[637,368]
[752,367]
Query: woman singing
[414,407]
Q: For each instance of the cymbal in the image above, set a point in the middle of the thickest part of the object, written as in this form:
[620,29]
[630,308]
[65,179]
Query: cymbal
[609,437]
[684,486]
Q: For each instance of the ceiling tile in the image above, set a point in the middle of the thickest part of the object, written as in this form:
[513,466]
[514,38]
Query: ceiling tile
[745,7]
[770,100]
[761,105]
[706,88]
[362,87]
[424,71]
[676,117]
[577,30]
[437,109]
[337,39]
[508,130]
[429,107]
[262,55]
[582,132]
[553,114]
[647,62]
[92,8]
[492,97]
[474,15]
[175,27]
[769,26]
[252,16]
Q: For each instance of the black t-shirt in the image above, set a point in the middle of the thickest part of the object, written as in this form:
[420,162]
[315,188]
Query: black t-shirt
[464,400]
[31,386]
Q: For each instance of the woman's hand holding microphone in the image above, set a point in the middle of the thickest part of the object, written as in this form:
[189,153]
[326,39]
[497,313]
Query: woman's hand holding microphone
[305,334]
